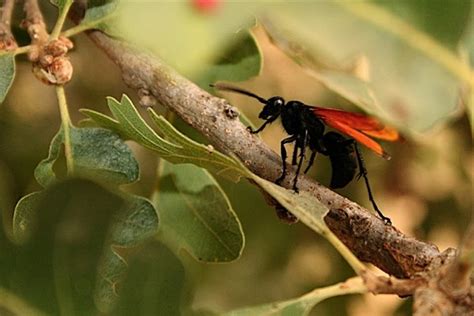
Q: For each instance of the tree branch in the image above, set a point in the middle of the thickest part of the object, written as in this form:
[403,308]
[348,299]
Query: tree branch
[7,41]
[34,22]
[365,234]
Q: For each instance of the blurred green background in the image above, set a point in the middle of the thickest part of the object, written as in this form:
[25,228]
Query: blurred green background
[426,189]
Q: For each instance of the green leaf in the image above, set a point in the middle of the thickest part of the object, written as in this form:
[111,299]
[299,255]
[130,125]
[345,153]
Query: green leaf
[98,17]
[7,74]
[101,155]
[136,222]
[414,79]
[309,210]
[240,62]
[172,146]
[303,205]
[196,214]
[97,153]
[154,284]
[301,306]
[196,39]
[23,216]
[98,119]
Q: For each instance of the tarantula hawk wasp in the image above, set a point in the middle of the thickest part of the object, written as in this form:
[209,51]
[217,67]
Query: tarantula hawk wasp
[305,126]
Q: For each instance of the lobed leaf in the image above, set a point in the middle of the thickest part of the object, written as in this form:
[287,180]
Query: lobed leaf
[196,214]
[172,145]
[136,222]
[7,74]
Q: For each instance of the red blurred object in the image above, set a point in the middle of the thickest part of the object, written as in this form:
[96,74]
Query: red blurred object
[206,6]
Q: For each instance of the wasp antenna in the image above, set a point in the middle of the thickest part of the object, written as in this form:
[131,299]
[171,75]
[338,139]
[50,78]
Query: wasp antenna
[225,87]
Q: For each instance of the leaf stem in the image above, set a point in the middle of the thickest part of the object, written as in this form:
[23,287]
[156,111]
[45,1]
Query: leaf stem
[308,301]
[60,22]
[84,27]
[66,126]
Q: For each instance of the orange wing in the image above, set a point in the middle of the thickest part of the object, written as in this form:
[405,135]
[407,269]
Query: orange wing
[359,127]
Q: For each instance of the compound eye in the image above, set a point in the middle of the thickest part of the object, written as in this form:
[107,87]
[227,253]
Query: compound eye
[279,102]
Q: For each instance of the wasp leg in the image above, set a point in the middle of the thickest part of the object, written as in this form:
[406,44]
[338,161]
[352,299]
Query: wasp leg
[258,130]
[283,157]
[302,146]
[363,173]
[295,155]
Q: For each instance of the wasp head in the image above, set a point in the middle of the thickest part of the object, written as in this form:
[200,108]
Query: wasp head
[272,108]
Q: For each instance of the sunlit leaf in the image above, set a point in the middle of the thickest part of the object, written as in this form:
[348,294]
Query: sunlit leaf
[7,74]
[310,211]
[196,214]
[303,205]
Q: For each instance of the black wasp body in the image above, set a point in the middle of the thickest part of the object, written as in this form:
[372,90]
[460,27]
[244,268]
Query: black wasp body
[306,130]
[306,127]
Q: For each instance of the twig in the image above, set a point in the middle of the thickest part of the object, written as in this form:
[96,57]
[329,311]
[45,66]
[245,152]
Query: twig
[385,285]
[34,22]
[7,41]
[456,280]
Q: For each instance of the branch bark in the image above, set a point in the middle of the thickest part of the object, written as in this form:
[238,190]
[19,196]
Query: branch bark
[34,22]
[7,41]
